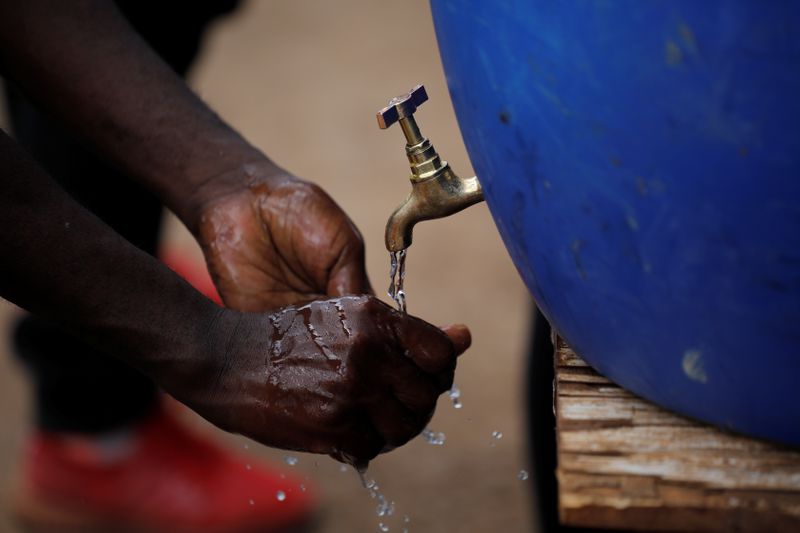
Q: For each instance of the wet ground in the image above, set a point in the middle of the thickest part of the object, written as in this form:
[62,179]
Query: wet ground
[304,85]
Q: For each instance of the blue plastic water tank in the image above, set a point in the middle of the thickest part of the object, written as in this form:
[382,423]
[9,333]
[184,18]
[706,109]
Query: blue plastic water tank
[642,163]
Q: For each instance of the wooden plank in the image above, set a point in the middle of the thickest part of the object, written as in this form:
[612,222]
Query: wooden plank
[624,463]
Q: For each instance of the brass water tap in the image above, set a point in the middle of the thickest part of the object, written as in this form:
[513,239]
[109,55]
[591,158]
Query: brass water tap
[436,191]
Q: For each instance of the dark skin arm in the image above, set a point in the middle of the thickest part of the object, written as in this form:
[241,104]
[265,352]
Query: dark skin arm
[349,377]
[269,238]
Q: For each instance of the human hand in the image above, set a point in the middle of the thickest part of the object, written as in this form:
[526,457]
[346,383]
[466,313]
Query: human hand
[349,377]
[276,240]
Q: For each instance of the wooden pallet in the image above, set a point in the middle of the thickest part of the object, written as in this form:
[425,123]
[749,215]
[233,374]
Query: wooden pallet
[625,463]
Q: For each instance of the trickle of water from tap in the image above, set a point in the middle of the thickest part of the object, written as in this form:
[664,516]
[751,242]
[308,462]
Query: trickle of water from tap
[397,275]
[385,508]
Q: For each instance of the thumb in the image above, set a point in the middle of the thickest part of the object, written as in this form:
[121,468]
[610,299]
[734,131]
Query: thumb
[459,335]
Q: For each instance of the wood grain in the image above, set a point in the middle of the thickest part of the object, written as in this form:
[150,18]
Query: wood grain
[625,463]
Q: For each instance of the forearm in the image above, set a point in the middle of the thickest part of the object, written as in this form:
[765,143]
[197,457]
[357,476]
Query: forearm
[61,262]
[85,64]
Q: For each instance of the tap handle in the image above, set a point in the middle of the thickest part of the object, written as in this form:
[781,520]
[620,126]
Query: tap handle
[401,108]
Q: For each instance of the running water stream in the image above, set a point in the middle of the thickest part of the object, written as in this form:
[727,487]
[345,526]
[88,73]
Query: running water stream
[397,275]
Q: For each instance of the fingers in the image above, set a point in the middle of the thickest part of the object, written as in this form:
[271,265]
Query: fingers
[363,443]
[459,335]
[428,346]
[414,389]
[396,424]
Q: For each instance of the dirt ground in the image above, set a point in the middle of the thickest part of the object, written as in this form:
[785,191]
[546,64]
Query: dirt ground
[303,80]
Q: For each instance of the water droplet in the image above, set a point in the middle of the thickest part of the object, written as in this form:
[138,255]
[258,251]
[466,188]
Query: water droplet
[342,468]
[455,396]
[246,446]
[252,502]
[522,475]
[248,466]
[496,436]
[290,460]
[383,527]
[385,508]
[280,495]
[435,438]
[406,518]
[302,487]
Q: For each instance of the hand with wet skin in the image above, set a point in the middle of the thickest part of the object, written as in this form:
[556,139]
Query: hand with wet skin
[276,240]
[349,377]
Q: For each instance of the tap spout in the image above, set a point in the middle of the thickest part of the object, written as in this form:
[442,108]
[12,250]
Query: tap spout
[438,196]
[436,191]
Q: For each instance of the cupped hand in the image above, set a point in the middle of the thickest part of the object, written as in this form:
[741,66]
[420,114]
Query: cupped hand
[277,240]
[349,377]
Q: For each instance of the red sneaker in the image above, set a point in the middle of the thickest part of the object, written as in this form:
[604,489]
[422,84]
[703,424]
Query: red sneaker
[169,480]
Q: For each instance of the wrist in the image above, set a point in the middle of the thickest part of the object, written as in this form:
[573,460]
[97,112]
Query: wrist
[190,367]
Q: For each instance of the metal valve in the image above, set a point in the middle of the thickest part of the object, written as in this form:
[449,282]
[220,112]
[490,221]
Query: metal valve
[436,191]
[425,162]
[402,108]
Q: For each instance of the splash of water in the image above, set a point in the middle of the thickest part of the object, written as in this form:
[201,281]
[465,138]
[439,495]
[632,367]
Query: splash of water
[385,508]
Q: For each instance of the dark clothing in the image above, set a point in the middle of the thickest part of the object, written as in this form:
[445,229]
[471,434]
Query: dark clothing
[76,387]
